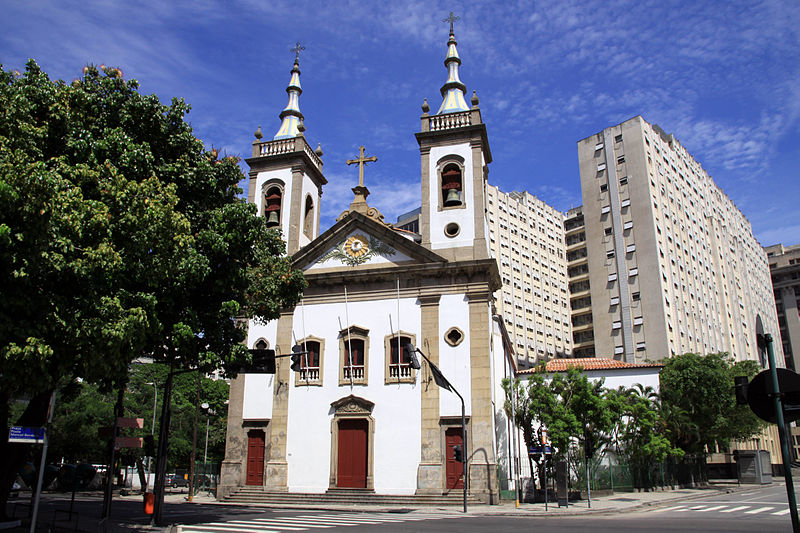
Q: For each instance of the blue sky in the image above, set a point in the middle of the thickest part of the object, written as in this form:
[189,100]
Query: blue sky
[724,77]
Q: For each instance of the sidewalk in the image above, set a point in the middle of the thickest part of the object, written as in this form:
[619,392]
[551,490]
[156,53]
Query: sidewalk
[606,504]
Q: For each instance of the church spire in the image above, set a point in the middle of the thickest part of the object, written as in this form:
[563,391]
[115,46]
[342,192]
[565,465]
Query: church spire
[291,116]
[453,90]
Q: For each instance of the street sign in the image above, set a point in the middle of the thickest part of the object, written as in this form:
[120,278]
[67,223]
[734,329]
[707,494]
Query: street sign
[128,442]
[541,449]
[760,400]
[26,435]
[137,423]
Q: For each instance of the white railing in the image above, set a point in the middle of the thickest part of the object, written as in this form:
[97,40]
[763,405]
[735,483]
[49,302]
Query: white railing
[357,372]
[401,372]
[281,146]
[314,157]
[309,374]
[450,121]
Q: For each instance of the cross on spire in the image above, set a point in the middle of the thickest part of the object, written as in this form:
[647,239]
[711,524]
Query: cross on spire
[451,19]
[361,161]
[297,49]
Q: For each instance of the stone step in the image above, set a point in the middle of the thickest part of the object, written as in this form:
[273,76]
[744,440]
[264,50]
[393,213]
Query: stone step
[344,497]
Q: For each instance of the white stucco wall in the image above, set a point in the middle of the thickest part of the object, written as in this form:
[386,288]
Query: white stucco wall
[397,406]
[309,189]
[258,387]
[454,360]
[258,396]
[463,217]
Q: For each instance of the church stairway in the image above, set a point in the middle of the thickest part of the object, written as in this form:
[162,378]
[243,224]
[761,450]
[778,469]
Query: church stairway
[257,495]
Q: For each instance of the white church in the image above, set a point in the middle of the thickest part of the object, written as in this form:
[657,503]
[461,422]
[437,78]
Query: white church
[357,415]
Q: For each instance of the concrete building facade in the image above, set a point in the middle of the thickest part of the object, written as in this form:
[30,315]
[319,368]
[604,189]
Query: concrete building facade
[784,266]
[673,264]
[580,297]
[526,237]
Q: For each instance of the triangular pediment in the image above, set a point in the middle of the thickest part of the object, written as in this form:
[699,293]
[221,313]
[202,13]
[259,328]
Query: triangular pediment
[352,405]
[357,241]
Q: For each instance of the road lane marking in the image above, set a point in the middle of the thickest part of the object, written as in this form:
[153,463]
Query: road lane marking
[731,510]
[711,509]
[759,510]
[779,513]
[669,509]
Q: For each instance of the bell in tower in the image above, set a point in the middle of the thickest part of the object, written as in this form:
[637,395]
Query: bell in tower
[451,186]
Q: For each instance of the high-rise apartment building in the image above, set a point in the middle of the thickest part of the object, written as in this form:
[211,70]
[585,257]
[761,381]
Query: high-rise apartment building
[580,298]
[784,265]
[673,264]
[526,237]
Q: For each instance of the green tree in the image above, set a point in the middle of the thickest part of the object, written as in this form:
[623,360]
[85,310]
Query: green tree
[638,433]
[120,235]
[698,403]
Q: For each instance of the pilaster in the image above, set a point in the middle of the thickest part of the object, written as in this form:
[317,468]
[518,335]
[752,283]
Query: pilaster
[430,474]
[276,477]
[232,472]
[482,463]
[295,211]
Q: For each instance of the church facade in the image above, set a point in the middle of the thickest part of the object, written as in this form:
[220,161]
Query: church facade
[356,414]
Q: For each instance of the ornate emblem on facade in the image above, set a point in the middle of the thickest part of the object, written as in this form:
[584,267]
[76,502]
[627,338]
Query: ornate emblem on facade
[357,250]
[353,405]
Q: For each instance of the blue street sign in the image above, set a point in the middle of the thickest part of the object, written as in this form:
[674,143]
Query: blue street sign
[538,449]
[25,435]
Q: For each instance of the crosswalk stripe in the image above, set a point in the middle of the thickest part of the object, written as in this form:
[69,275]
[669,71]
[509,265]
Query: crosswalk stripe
[710,509]
[222,528]
[324,521]
[304,522]
[693,508]
[283,524]
[733,509]
[759,510]
[669,509]
[780,513]
[288,523]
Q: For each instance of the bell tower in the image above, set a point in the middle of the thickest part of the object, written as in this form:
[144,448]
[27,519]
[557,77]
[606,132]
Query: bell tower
[286,174]
[454,150]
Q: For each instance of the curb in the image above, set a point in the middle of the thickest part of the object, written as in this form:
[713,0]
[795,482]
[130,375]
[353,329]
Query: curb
[482,511]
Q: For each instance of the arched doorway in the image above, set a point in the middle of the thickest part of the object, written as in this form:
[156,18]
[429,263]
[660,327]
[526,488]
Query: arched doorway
[352,439]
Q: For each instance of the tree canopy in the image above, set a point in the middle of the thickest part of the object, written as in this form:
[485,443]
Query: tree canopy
[121,235]
[697,395]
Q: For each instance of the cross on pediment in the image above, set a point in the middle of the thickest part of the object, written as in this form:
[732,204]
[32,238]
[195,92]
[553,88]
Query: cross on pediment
[451,19]
[361,161]
[297,49]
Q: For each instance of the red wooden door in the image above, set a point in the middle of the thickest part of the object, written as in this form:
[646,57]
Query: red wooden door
[352,463]
[454,469]
[255,457]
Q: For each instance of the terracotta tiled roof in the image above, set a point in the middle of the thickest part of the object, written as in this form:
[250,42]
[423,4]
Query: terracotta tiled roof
[588,363]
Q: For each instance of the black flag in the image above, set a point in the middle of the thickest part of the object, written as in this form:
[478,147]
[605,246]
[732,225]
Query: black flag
[439,378]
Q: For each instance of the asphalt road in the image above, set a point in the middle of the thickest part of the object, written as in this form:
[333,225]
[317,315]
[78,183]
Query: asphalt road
[761,509]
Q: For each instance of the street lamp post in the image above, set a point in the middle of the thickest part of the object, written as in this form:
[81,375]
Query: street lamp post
[207,409]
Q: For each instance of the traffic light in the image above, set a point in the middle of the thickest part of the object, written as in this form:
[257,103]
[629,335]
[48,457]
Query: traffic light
[149,446]
[588,446]
[411,355]
[458,453]
[263,361]
[297,353]
[740,386]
